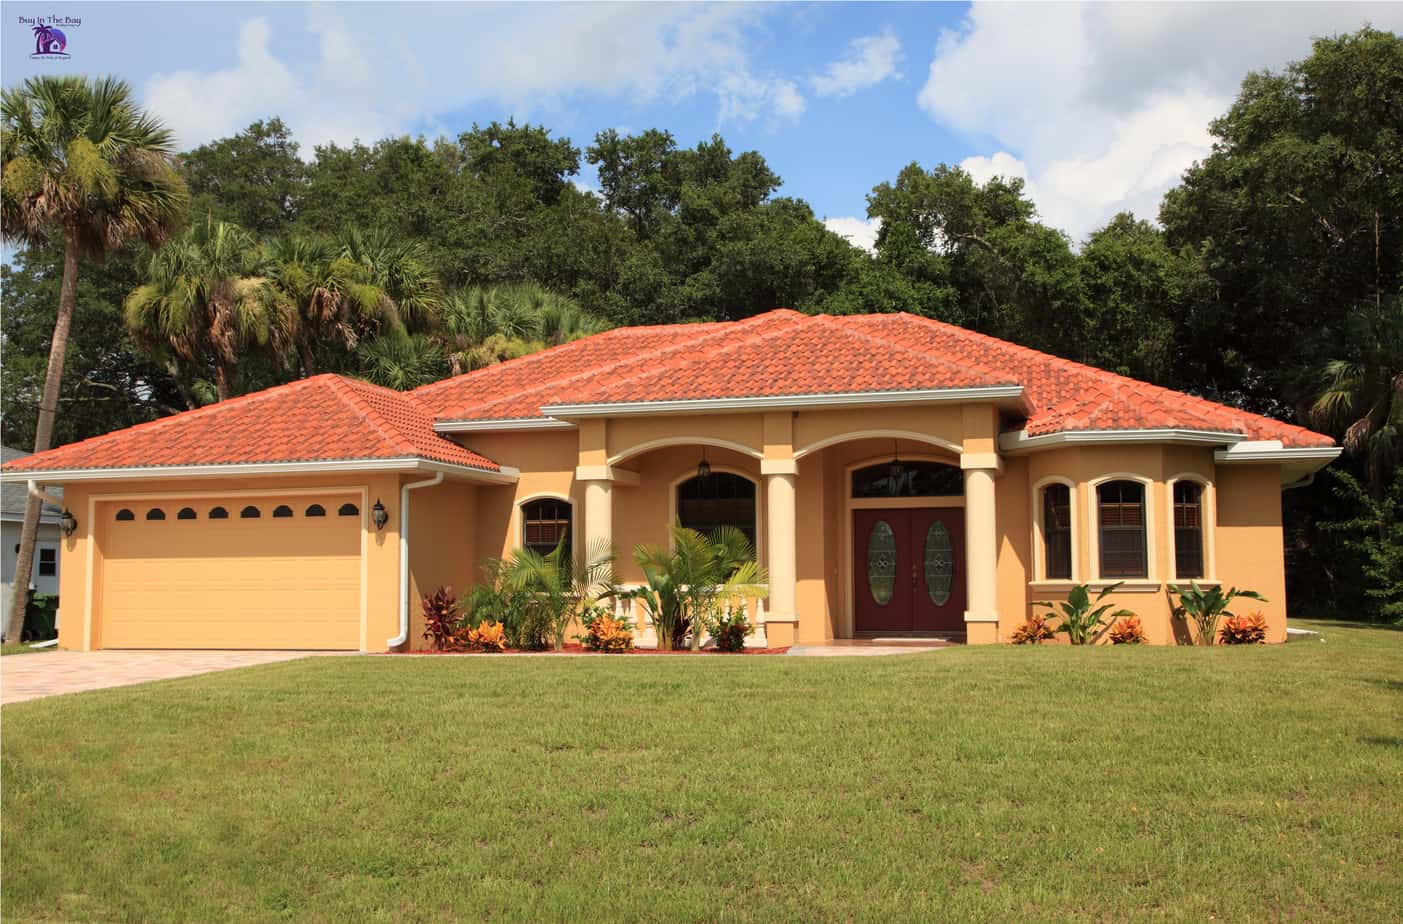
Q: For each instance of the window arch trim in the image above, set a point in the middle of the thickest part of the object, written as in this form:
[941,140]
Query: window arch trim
[1093,510]
[1208,513]
[1039,545]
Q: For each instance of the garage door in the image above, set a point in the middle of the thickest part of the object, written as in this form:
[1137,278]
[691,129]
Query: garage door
[238,572]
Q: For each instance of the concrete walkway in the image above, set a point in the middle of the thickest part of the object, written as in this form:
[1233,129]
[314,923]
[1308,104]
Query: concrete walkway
[49,673]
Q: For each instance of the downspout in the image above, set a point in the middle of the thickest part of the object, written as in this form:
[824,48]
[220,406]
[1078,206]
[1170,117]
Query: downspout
[404,490]
[45,496]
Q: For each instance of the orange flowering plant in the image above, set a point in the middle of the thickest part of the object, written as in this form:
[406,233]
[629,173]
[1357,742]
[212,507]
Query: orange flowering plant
[1244,630]
[1034,631]
[1128,631]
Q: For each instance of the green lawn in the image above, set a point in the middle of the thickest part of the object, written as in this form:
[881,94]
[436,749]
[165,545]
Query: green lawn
[9,648]
[966,784]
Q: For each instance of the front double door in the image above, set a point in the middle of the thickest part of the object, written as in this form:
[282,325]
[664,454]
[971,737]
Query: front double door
[908,570]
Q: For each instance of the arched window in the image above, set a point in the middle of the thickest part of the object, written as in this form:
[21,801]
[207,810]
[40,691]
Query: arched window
[125,516]
[1188,529]
[250,513]
[544,523]
[898,478]
[1121,515]
[155,513]
[218,513]
[316,510]
[348,510]
[707,502]
[282,511]
[186,513]
[1057,532]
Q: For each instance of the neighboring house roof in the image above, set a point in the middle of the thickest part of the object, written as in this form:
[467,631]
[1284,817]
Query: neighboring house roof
[324,418]
[13,494]
[777,356]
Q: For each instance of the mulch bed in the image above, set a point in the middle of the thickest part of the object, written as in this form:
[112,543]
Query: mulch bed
[577,649]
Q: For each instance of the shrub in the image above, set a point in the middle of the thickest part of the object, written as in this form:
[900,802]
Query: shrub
[693,581]
[731,629]
[1034,631]
[1244,630]
[605,633]
[560,590]
[1082,623]
[1205,606]
[525,625]
[443,619]
[488,636]
[1128,632]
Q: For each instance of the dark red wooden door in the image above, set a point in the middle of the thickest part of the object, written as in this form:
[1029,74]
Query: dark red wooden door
[882,570]
[937,543]
[908,570]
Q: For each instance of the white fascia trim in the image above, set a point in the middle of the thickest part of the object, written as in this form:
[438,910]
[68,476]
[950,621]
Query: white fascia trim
[789,402]
[1273,451]
[1020,441]
[238,469]
[501,424]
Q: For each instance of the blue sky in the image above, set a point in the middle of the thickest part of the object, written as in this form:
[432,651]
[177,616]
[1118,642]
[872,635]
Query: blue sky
[1099,107]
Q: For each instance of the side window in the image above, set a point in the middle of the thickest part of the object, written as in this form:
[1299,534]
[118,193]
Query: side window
[48,561]
[218,513]
[544,522]
[1188,529]
[316,510]
[282,511]
[1057,532]
[1121,517]
[250,513]
[348,510]
[125,516]
[186,513]
[155,513]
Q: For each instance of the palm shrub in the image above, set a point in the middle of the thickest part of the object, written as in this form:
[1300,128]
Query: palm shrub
[560,590]
[691,585]
[1081,619]
[1206,605]
[524,624]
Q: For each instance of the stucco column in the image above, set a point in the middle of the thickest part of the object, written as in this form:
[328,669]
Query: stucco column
[981,556]
[599,513]
[782,550]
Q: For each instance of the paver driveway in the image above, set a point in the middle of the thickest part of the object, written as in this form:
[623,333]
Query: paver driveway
[30,676]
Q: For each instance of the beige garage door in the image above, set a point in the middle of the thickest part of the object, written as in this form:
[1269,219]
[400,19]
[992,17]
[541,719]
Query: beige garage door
[240,572]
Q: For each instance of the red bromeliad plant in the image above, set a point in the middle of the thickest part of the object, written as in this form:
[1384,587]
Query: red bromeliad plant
[1128,631]
[1244,630]
[443,620]
[1034,631]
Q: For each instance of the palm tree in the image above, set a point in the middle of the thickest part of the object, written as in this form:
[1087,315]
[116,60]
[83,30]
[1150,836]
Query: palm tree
[402,363]
[208,301]
[562,589]
[480,326]
[1363,397]
[81,160]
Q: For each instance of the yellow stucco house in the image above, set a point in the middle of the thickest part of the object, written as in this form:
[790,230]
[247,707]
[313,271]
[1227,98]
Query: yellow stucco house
[899,477]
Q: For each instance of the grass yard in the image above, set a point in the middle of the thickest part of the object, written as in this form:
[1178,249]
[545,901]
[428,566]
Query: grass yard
[962,785]
[8,648]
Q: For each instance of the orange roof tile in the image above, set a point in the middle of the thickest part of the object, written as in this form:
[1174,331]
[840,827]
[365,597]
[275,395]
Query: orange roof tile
[319,419]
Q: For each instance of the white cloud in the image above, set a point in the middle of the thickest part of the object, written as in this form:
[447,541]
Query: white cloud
[344,72]
[1101,107]
[860,232]
[869,60]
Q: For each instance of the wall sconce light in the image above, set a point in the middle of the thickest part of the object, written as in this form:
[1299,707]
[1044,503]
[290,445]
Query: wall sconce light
[703,467]
[67,522]
[378,515]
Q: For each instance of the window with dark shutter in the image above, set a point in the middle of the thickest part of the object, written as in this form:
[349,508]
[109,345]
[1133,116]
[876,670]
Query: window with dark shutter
[1188,529]
[544,523]
[1121,511]
[1057,532]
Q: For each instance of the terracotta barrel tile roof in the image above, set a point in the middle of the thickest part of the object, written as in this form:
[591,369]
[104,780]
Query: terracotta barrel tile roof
[776,354]
[319,419]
